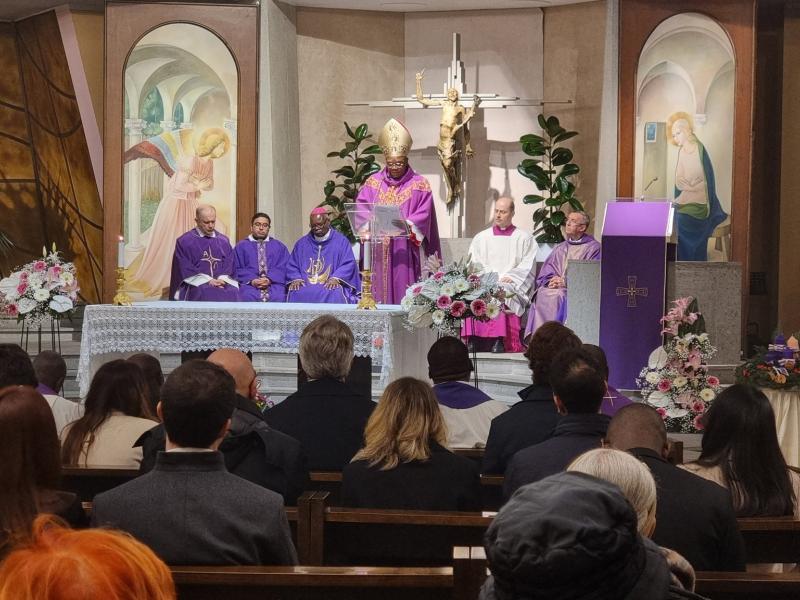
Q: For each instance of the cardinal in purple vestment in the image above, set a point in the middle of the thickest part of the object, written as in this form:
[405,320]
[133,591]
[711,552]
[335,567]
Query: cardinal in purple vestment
[261,263]
[322,267]
[550,298]
[202,266]
[397,262]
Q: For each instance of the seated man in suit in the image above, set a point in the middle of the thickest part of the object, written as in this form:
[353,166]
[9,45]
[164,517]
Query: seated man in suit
[694,516]
[189,510]
[578,390]
[252,449]
[325,415]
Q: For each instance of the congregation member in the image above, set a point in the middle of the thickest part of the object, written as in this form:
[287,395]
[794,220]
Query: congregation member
[613,401]
[578,389]
[322,267]
[534,417]
[467,411]
[16,367]
[405,463]
[51,371]
[203,266]
[740,451]
[251,449]
[153,377]
[510,252]
[575,536]
[261,263]
[399,263]
[116,414]
[694,517]
[550,298]
[31,466]
[58,563]
[325,415]
[189,510]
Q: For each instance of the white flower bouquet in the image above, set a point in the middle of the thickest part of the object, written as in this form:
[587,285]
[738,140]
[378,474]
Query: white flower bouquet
[45,287]
[451,294]
[676,380]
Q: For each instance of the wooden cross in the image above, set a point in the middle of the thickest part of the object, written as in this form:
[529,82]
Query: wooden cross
[632,291]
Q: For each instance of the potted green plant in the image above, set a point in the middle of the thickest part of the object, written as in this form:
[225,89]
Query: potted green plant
[551,169]
[360,165]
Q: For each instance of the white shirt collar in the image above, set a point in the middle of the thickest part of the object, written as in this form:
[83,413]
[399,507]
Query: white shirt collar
[324,237]
[252,239]
[190,450]
[201,234]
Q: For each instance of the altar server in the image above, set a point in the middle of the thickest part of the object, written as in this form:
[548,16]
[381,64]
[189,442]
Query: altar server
[202,266]
[261,263]
[510,252]
[322,267]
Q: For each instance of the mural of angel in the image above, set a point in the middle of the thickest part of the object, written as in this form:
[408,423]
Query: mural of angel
[191,172]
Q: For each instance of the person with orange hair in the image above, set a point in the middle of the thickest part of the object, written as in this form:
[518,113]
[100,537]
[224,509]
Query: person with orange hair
[59,563]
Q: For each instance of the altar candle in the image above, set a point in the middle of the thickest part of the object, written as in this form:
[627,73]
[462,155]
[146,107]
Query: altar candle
[121,253]
[367,254]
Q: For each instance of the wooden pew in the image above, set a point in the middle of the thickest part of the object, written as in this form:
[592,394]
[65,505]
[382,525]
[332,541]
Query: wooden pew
[328,535]
[87,482]
[748,586]
[461,581]
[771,539]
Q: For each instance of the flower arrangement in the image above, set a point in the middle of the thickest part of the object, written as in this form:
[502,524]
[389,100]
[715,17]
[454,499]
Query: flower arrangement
[44,287]
[676,380]
[776,366]
[451,294]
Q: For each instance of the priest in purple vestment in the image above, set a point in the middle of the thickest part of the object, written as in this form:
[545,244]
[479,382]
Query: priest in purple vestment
[261,263]
[202,266]
[397,262]
[550,298]
[322,267]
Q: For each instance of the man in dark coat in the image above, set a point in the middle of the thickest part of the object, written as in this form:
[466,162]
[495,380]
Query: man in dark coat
[578,390]
[694,516]
[325,415]
[189,510]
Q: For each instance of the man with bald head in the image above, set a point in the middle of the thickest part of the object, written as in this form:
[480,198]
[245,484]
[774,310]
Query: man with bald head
[510,252]
[252,449]
[694,516]
[203,264]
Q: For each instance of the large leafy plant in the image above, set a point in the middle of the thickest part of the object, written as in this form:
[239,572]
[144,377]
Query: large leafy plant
[551,169]
[351,176]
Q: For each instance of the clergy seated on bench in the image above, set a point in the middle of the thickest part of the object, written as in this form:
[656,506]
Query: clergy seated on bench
[533,418]
[467,411]
[574,536]
[694,517]
[57,563]
[189,509]
[322,267]
[740,451]
[325,415]
[510,252]
[251,449]
[405,462]
[261,263]
[550,298]
[578,389]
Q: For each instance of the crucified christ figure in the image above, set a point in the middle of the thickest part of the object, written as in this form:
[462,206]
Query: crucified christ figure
[454,118]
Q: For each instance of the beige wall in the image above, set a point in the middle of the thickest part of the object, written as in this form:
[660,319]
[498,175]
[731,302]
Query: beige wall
[574,46]
[789,273]
[342,56]
[89,31]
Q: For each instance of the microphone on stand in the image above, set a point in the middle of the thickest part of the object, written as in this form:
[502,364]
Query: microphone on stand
[647,187]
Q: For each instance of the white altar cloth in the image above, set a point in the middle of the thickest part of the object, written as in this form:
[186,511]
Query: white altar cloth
[786,405]
[173,327]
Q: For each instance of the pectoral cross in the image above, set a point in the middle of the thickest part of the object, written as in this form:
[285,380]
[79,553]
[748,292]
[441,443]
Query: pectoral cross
[632,291]
[211,260]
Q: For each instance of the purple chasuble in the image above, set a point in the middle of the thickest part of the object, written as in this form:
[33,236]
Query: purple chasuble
[397,265]
[261,258]
[613,401]
[196,254]
[457,394]
[316,262]
[551,304]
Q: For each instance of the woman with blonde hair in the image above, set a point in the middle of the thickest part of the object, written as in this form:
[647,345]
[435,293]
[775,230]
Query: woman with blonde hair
[404,462]
[61,564]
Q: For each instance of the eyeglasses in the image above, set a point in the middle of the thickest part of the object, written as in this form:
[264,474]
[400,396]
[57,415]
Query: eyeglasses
[261,225]
[396,165]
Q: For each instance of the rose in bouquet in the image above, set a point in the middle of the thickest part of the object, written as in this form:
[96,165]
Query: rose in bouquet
[676,380]
[451,294]
[45,287]
[775,366]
